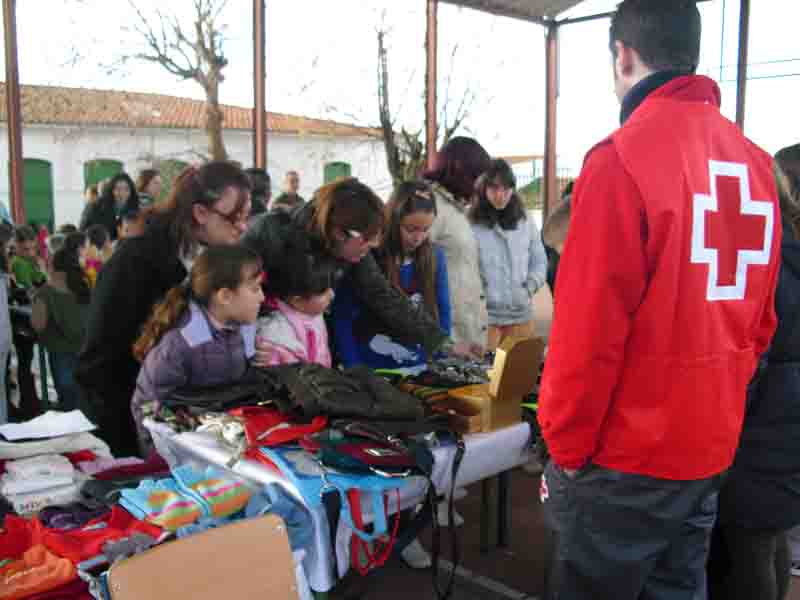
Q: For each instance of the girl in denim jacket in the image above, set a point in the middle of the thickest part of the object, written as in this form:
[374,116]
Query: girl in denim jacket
[512,260]
[202,334]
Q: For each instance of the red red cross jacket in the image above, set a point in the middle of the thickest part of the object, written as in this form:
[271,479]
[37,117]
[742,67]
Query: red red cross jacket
[665,293]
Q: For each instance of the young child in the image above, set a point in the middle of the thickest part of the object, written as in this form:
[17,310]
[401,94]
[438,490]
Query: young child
[298,291]
[59,316]
[512,260]
[26,264]
[202,333]
[98,251]
[414,266]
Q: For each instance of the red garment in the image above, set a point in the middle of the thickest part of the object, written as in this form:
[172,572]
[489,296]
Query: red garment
[75,590]
[268,427]
[37,571]
[18,535]
[655,337]
[154,465]
[87,542]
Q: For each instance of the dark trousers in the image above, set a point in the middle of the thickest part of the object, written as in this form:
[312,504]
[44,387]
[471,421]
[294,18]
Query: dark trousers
[749,564]
[29,406]
[627,537]
[112,413]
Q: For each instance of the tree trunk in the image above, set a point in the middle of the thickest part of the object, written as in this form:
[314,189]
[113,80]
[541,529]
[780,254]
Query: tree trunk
[214,119]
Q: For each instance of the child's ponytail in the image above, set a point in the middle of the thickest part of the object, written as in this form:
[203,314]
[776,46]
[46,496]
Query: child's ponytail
[164,317]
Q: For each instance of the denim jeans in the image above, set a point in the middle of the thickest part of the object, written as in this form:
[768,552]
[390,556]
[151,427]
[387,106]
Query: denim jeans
[62,366]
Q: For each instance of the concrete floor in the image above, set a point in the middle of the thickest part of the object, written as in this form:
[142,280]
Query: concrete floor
[512,573]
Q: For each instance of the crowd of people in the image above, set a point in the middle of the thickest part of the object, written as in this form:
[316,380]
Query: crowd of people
[669,402]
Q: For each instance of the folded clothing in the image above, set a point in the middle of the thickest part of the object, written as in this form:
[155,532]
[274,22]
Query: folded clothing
[47,465]
[162,503]
[219,496]
[25,504]
[108,464]
[11,485]
[180,501]
[38,570]
[82,544]
[60,445]
[73,457]
[72,516]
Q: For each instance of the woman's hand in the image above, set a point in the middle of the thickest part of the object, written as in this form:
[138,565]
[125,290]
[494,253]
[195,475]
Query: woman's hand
[263,355]
[469,350]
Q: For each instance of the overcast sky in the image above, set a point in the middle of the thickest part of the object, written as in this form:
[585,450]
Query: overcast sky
[321,61]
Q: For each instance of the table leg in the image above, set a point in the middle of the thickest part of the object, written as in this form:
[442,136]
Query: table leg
[43,374]
[503,508]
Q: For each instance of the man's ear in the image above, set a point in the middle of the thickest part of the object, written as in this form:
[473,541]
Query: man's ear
[624,59]
[200,214]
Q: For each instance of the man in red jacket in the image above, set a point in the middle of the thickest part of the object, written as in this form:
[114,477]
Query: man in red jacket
[665,300]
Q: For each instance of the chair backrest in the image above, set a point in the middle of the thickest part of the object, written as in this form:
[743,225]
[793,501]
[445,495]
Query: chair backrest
[245,560]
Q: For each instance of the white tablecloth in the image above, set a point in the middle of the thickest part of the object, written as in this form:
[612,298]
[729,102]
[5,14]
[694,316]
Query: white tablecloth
[487,454]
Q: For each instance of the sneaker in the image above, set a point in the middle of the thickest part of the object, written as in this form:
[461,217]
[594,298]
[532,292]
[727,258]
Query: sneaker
[442,515]
[796,568]
[415,556]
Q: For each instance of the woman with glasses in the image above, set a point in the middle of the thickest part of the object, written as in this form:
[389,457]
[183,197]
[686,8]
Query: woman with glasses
[344,219]
[208,205]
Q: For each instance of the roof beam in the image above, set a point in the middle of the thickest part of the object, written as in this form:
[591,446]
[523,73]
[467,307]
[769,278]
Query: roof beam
[497,8]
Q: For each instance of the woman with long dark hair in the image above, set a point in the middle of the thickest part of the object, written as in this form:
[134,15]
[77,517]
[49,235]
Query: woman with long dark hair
[412,265]
[118,195]
[512,259]
[208,205]
[345,220]
[456,168]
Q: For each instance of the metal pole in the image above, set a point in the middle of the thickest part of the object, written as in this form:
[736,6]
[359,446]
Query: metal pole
[430,82]
[259,85]
[550,187]
[741,67]
[14,115]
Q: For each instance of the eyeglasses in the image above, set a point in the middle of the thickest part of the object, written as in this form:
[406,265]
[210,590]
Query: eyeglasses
[235,218]
[352,234]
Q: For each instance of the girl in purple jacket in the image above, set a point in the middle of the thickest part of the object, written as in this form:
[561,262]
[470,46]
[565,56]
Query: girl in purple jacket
[202,334]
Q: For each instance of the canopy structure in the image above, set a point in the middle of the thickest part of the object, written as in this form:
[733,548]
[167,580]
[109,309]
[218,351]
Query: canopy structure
[546,13]
[538,11]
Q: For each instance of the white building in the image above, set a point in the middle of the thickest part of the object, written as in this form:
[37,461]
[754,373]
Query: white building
[65,129]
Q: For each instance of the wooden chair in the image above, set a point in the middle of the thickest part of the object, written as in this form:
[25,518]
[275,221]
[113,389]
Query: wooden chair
[497,404]
[250,559]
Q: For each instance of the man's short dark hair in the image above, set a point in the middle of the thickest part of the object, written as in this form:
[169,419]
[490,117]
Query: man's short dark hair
[665,33]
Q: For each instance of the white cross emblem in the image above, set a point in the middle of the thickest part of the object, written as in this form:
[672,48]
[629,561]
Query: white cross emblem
[733,248]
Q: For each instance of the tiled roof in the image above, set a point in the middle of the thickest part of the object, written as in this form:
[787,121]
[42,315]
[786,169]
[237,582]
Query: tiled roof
[79,106]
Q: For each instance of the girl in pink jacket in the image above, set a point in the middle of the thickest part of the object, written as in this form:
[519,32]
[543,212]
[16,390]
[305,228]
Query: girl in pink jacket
[298,293]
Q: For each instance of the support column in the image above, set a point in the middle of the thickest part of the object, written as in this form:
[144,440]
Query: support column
[550,183]
[259,85]
[13,114]
[741,66]
[430,81]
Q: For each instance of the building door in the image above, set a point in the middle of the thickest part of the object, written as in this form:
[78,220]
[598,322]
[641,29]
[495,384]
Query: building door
[335,170]
[99,169]
[38,191]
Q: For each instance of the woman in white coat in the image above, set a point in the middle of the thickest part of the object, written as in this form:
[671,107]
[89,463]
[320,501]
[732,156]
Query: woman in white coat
[456,167]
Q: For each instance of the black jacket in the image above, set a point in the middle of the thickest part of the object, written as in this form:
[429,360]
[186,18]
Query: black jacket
[104,212]
[136,277]
[405,322]
[763,487]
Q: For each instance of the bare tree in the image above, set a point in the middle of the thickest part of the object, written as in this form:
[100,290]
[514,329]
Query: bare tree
[190,51]
[405,150]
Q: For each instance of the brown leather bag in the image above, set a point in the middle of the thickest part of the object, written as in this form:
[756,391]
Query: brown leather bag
[250,559]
